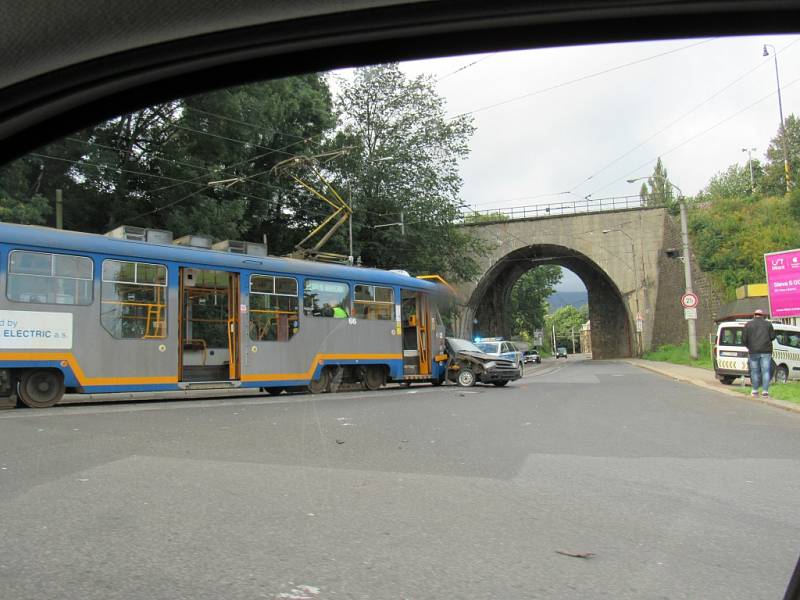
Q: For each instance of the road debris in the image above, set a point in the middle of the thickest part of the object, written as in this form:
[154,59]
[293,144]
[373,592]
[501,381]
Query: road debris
[586,555]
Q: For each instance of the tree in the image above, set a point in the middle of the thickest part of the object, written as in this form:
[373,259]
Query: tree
[774,179]
[19,202]
[403,165]
[657,191]
[733,182]
[528,301]
[567,321]
[156,167]
[731,235]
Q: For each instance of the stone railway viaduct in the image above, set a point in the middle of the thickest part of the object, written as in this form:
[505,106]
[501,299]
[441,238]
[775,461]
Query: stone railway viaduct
[621,258]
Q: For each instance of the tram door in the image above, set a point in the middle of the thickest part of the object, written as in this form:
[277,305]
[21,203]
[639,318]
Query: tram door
[209,325]
[416,321]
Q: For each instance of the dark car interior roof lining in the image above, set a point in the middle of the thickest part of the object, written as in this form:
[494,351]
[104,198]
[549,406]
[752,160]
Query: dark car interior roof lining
[281,41]
[71,97]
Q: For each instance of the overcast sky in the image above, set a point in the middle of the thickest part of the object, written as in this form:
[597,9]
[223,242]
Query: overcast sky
[553,141]
[563,136]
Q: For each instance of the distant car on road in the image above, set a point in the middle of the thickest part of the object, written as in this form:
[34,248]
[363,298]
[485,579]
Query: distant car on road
[469,364]
[561,352]
[531,356]
[502,349]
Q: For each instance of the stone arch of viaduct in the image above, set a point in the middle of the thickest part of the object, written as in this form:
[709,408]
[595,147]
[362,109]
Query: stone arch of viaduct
[619,256]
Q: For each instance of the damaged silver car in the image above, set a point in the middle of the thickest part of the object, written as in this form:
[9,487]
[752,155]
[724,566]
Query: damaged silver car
[468,364]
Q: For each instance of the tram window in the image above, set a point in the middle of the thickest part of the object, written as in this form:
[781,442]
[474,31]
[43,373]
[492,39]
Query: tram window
[273,308]
[326,299]
[373,302]
[42,277]
[134,300]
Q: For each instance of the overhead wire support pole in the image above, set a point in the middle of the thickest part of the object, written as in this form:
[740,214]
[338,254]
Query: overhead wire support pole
[786,173]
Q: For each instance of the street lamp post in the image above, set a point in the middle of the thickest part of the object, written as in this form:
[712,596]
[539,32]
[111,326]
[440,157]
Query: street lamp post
[636,287]
[687,263]
[780,112]
[750,165]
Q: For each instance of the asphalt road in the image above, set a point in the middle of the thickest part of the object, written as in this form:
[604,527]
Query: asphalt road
[677,492]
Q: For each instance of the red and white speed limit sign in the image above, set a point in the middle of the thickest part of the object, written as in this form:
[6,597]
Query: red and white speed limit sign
[689,300]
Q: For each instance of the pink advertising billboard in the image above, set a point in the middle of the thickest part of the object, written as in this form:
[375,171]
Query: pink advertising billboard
[783,283]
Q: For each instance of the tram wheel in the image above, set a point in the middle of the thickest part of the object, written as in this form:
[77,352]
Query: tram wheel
[273,391]
[335,378]
[374,377]
[41,388]
[317,386]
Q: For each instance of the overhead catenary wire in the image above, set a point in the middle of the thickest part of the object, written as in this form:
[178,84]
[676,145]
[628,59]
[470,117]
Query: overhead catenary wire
[209,170]
[237,141]
[678,119]
[204,186]
[581,78]
[239,122]
[694,137]
[465,67]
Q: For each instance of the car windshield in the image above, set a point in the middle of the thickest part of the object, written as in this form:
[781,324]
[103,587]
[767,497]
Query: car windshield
[489,347]
[263,389]
[460,345]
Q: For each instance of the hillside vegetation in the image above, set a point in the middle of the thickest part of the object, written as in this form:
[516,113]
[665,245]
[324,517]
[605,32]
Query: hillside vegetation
[731,235]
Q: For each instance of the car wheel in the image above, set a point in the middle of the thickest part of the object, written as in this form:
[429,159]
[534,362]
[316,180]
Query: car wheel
[782,374]
[466,378]
[727,380]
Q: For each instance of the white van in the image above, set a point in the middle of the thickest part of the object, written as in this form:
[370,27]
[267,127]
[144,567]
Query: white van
[730,355]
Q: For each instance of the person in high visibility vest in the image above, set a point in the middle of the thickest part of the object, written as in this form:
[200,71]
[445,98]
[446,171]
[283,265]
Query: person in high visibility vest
[339,312]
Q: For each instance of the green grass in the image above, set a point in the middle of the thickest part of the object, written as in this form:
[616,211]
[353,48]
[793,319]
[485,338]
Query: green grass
[679,355]
[790,392]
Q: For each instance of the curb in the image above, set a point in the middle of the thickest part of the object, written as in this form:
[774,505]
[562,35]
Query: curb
[788,406]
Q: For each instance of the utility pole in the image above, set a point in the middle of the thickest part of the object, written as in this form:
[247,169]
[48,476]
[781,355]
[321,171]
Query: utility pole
[687,274]
[59,210]
[573,339]
[780,113]
[350,223]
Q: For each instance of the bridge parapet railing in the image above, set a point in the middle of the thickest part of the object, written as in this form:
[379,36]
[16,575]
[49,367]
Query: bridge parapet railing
[532,211]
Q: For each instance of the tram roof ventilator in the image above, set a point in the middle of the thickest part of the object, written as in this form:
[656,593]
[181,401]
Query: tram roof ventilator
[239,247]
[141,234]
[162,236]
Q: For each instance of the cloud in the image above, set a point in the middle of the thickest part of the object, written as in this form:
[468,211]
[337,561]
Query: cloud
[553,141]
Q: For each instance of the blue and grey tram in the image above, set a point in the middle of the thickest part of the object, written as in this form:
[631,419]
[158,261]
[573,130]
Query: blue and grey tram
[85,313]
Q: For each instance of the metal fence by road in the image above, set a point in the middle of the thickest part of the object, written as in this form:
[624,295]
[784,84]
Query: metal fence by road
[554,209]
